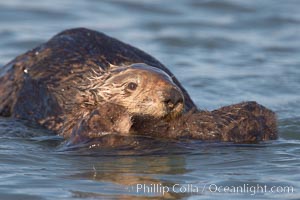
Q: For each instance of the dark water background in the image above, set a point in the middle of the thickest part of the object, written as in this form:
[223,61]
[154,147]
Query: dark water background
[223,52]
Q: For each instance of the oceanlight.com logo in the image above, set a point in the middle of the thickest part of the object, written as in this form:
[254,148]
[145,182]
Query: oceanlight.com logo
[159,189]
[250,189]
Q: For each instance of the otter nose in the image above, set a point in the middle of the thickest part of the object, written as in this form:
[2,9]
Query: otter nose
[172,98]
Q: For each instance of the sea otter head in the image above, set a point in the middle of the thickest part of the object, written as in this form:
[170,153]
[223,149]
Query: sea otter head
[143,90]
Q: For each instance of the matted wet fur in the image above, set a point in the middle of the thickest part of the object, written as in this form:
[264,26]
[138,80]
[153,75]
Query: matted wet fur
[83,84]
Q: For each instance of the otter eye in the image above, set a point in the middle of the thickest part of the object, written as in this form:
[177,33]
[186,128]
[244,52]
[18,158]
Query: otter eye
[132,86]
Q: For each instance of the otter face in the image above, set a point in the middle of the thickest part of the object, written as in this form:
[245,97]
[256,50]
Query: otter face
[143,90]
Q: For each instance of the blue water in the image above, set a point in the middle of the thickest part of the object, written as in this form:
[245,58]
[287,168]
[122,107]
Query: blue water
[223,52]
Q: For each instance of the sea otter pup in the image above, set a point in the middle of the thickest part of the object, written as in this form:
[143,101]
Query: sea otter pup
[84,84]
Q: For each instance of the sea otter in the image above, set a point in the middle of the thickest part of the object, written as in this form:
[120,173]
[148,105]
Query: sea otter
[84,84]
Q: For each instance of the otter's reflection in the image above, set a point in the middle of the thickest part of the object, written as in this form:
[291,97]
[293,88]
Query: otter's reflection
[124,174]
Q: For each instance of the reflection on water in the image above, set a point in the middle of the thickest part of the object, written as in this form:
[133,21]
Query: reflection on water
[223,52]
[131,172]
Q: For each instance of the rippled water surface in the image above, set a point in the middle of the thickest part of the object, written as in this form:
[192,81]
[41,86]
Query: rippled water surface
[223,52]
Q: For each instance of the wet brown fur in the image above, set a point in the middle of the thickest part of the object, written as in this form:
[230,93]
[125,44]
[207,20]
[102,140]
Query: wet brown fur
[46,85]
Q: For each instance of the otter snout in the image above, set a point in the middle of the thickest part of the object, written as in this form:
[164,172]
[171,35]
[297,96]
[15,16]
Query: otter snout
[172,98]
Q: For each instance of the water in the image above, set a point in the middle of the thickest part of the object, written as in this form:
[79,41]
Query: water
[223,52]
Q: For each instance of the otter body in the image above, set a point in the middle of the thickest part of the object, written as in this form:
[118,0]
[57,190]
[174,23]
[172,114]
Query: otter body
[84,83]
[63,80]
